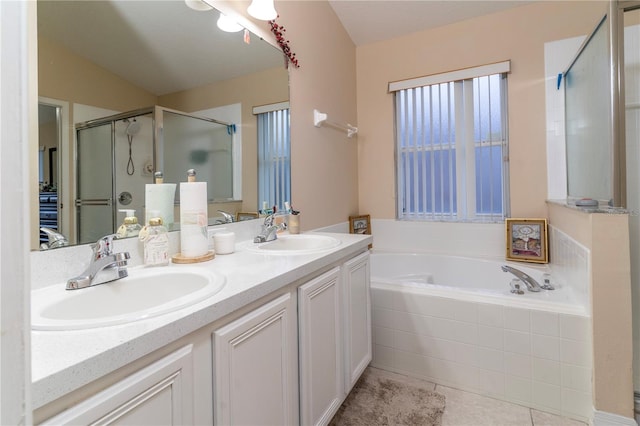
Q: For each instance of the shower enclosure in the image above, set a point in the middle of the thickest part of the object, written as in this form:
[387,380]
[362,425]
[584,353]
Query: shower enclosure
[602,93]
[117,156]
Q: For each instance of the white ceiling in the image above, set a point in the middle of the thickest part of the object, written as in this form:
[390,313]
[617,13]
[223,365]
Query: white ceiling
[376,20]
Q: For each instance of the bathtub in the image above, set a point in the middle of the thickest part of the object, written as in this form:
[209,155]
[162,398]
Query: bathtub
[453,321]
[471,279]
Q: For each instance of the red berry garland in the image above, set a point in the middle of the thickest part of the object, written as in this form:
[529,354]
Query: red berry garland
[278,31]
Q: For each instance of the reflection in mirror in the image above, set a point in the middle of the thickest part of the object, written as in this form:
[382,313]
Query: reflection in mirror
[171,142]
[205,145]
[49,133]
[102,58]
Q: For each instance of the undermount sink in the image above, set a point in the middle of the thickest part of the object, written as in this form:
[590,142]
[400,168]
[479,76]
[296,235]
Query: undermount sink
[295,244]
[145,293]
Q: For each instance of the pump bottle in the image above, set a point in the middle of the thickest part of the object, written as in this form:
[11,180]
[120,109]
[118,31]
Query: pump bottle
[130,226]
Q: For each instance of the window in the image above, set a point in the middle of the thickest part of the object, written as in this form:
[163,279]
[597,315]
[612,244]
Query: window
[451,141]
[274,154]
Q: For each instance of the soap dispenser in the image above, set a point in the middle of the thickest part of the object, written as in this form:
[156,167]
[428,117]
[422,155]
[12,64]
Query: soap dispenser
[156,243]
[130,227]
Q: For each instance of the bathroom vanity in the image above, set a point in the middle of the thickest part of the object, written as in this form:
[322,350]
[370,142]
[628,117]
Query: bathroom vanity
[283,342]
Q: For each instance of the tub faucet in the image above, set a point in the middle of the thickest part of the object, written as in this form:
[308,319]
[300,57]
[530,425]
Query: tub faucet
[269,230]
[532,285]
[105,266]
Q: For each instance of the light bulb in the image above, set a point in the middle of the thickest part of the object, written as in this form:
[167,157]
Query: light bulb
[198,5]
[263,10]
[228,24]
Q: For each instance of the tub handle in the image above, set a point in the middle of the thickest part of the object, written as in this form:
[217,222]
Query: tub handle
[546,280]
[516,286]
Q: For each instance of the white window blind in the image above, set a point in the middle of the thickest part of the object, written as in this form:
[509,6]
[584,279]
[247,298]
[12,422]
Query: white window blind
[274,155]
[451,140]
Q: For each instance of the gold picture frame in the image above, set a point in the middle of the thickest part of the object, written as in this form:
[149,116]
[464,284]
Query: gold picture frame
[527,240]
[360,224]
[240,216]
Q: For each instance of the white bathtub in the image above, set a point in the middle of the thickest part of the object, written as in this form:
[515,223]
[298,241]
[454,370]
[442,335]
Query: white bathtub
[471,279]
[453,321]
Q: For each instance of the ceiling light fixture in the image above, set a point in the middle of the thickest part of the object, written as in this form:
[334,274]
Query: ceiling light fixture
[263,10]
[228,24]
[198,5]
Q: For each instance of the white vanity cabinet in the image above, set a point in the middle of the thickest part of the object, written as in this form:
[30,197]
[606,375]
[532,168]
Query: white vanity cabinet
[320,348]
[334,323]
[159,394]
[256,365]
[357,318]
[288,358]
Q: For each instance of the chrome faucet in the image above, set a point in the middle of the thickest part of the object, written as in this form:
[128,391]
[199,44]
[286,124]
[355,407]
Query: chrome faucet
[56,239]
[228,218]
[532,285]
[105,266]
[269,230]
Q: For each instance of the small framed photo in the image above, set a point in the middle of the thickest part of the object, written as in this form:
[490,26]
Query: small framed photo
[240,216]
[360,224]
[527,240]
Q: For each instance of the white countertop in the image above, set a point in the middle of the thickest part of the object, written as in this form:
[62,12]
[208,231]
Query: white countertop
[63,361]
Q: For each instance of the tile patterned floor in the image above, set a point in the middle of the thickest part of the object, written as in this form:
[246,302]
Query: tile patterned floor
[468,409]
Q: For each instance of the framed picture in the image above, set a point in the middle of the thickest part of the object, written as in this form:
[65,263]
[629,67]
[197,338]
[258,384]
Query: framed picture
[527,240]
[240,216]
[360,224]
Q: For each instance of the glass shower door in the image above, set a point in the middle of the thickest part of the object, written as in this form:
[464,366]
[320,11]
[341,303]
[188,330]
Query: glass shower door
[205,145]
[94,201]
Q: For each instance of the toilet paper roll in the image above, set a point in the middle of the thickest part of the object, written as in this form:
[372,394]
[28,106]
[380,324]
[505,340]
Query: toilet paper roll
[159,199]
[193,219]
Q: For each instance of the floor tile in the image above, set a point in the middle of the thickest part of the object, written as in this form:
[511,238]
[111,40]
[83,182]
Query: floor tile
[465,408]
[470,409]
[541,418]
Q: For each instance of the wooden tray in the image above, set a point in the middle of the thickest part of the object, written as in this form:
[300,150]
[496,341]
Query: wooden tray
[179,258]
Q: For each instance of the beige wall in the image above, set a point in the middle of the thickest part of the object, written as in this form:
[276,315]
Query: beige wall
[607,237]
[324,161]
[63,75]
[518,35]
[267,87]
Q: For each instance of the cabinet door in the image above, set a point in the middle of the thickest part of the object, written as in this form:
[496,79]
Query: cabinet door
[160,394]
[255,367]
[320,348]
[357,305]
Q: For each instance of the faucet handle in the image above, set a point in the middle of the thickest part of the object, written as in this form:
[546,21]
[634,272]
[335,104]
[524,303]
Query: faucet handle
[103,247]
[516,286]
[546,279]
[268,221]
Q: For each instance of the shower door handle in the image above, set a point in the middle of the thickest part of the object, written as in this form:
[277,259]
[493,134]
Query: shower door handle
[94,202]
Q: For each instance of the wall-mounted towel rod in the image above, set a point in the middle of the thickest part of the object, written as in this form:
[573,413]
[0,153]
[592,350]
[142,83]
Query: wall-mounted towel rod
[320,118]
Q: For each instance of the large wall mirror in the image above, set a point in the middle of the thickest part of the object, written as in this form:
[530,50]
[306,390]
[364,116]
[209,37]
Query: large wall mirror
[102,59]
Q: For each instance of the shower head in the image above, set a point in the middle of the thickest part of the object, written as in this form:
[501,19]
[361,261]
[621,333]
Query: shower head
[132,128]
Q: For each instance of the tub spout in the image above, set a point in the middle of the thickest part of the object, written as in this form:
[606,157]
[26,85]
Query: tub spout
[532,285]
